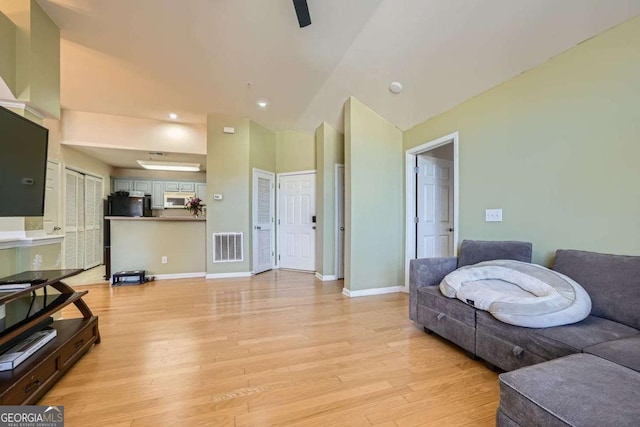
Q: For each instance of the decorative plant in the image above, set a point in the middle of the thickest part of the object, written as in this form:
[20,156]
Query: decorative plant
[194,205]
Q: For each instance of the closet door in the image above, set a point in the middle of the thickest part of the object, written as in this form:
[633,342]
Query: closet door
[93,221]
[71,223]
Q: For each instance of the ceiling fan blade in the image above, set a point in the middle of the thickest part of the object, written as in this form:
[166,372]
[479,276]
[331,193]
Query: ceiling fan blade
[302,11]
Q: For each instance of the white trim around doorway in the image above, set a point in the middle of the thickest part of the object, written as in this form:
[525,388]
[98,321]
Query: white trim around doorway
[410,196]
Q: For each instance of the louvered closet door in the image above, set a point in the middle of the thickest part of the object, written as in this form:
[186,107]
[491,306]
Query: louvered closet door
[263,220]
[93,222]
[74,220]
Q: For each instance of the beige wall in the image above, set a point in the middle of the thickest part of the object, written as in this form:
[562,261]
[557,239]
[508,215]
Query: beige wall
[329,153]
[140,245]
[7,55]
[104,130]
[228,174]
[556,148]
[295,151]
[373,200]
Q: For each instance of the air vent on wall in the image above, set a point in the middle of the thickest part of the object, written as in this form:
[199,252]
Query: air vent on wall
[227,247]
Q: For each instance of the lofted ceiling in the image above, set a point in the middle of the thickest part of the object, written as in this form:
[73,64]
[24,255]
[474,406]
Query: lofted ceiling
[145,58]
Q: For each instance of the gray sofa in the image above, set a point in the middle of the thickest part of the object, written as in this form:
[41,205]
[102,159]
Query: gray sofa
[593,375]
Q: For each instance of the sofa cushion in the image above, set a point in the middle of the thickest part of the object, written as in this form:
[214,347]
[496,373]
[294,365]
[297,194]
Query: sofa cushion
[475,251]
[577,390]
[625,352]
[550,343]
[612,282]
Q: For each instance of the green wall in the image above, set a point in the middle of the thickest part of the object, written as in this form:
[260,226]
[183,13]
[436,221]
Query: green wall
[374,249]
[37,55]
[262,155]
[329,153]
[228,174]
[8,52]
[556,148]
[295,151]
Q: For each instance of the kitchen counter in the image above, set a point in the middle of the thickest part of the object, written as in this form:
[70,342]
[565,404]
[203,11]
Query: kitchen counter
[154,218]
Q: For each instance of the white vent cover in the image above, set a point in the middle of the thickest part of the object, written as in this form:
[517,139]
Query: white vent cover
[227,247]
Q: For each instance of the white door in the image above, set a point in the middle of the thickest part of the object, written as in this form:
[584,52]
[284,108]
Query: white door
[296,229]
[435,207]
[74,220]
[340,222]
[263,221]
[92,221]
[51,218]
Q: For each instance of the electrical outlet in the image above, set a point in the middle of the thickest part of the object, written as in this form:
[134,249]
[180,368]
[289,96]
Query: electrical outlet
[164,260]
[493,215]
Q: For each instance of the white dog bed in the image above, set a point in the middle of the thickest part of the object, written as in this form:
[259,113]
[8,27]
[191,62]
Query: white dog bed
[519,293]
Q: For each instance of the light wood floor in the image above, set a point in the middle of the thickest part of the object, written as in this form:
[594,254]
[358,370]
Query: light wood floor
[281,348]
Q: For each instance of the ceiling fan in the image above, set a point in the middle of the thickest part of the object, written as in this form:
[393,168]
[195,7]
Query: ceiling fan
[302,11]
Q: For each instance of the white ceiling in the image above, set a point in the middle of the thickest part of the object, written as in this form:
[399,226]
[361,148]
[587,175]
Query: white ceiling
[145,58]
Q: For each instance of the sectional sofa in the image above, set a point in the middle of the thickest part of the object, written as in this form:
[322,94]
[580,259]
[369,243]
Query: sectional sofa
[590,374]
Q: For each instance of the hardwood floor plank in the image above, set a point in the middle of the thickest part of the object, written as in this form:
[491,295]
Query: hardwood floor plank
[280,348]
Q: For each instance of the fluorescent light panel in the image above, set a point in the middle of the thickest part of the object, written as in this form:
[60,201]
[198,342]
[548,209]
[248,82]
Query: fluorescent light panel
[169,166]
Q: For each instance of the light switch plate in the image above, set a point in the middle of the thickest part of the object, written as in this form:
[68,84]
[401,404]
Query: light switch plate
[217,197]
[493,215]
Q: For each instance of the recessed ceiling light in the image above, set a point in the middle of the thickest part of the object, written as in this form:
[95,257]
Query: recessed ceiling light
[395,87]
[262,103]
[169,166]
[173,116]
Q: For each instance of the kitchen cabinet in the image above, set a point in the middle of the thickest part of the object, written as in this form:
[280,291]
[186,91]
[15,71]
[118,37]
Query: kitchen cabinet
[122,185]
[157,195]
[158,188]
[144,186]
[173,186]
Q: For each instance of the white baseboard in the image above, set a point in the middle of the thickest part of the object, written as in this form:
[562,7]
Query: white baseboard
[374,291]
[326,278]
[177,276]
[229,275]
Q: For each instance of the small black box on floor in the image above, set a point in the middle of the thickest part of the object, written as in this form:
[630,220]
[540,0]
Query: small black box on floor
[132,277]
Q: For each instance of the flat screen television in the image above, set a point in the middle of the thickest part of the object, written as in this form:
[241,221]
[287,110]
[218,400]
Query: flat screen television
[23,165]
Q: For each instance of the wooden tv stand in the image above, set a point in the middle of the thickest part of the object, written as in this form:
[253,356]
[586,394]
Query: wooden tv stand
[29,381]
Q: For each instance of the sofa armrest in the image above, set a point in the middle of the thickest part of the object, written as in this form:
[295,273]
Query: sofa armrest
[426,272]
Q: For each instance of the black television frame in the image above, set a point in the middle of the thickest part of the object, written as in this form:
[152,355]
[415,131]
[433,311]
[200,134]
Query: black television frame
[10,204]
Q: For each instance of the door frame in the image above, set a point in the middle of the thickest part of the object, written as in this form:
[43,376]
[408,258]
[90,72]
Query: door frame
[277,224]
[272,195]
[335,225]
[410,196]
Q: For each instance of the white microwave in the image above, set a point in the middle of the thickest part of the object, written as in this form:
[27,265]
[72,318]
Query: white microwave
[177,200]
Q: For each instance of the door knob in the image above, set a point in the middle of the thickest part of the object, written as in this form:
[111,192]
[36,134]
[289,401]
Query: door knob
[56,228]
[341,228]
[258,227]
[450,229]
[313,228]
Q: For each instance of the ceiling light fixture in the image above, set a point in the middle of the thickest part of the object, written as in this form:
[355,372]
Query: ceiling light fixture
[262,103]
[169,166]
[173,116]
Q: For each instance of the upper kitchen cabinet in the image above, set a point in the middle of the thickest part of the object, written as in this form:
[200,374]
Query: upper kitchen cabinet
[144,186]
[122,185]
[201,191]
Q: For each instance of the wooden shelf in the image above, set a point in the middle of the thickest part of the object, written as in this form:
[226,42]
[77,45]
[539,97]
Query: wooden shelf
[29,381]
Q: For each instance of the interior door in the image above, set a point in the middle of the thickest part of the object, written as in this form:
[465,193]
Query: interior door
[51,220]
[296,228]
[435,207]
[263,221]
[340,222]
[72,221]
[92,221]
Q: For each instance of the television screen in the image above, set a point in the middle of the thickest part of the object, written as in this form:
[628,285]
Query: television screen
[23,165]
